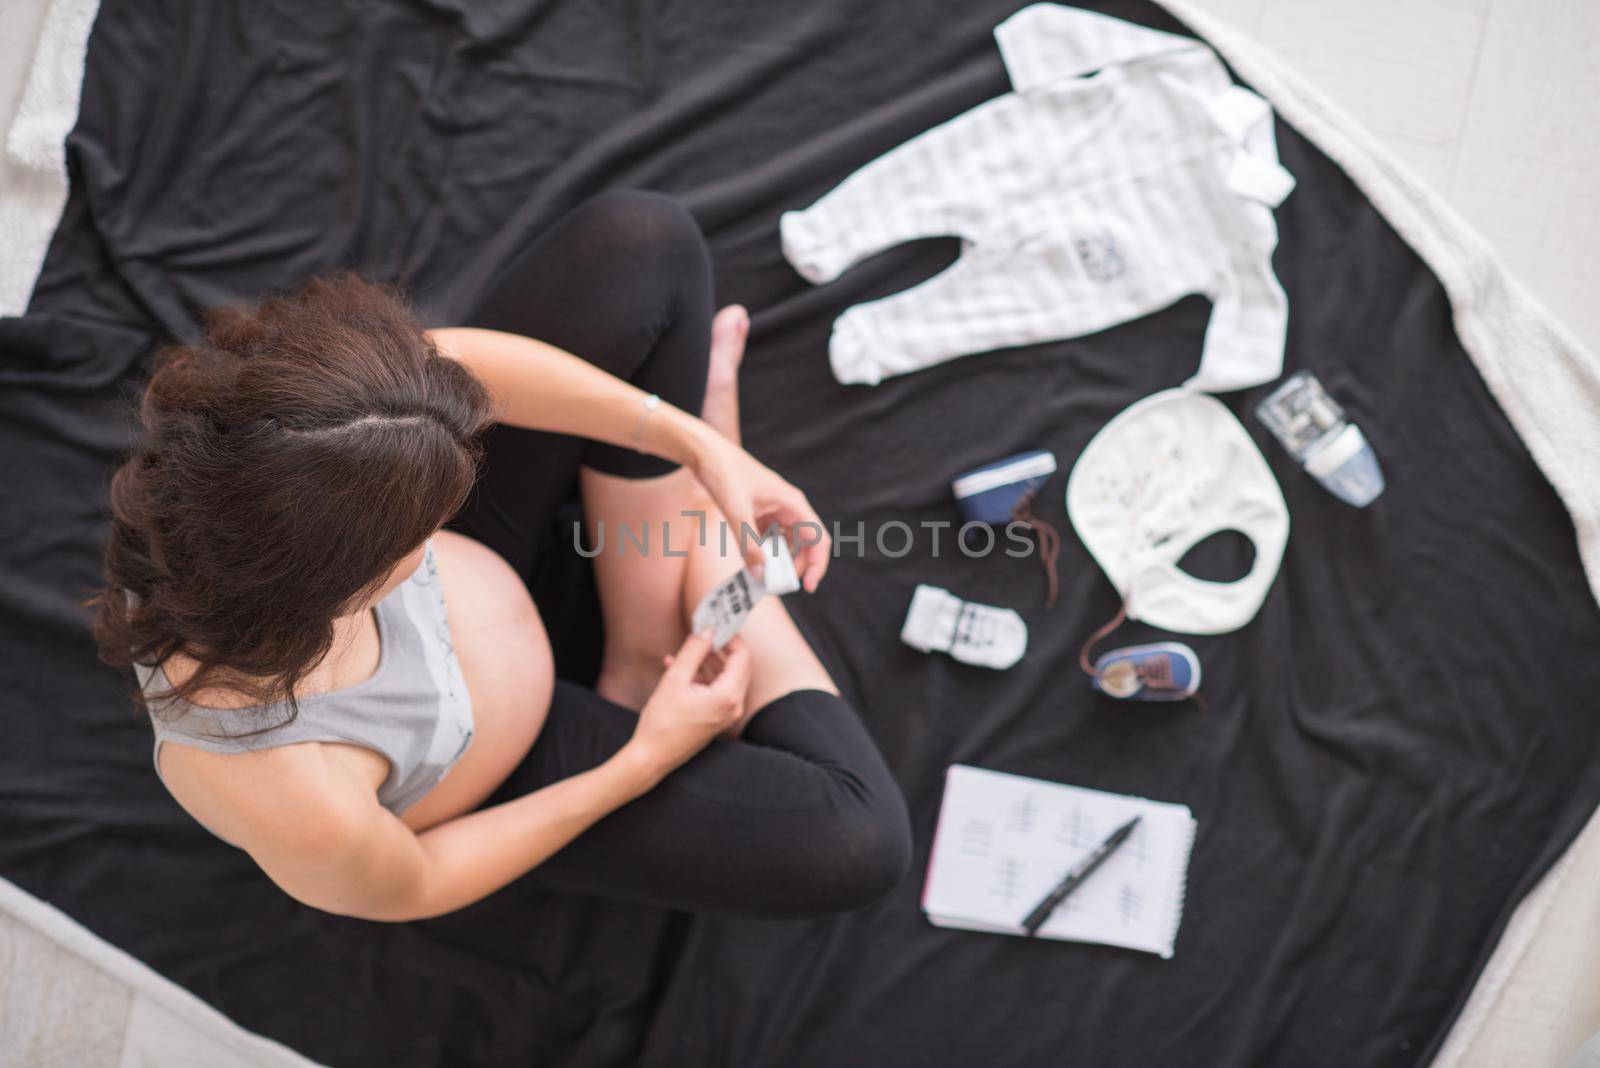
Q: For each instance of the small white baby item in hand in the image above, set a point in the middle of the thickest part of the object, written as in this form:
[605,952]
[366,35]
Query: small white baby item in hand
[724,610]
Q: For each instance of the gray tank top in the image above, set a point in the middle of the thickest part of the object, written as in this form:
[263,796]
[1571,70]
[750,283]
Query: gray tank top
[414,710]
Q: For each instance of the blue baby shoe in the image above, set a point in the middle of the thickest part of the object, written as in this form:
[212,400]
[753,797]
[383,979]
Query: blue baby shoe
[1164,671]
[990,494]
[1000,493]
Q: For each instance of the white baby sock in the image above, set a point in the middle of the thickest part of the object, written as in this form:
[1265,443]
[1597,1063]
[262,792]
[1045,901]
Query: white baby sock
[973,633]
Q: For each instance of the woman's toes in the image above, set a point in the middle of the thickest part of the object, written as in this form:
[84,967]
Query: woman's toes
[729,328]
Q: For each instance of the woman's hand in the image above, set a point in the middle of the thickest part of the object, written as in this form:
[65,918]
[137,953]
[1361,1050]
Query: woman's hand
[688,709]
[753,497]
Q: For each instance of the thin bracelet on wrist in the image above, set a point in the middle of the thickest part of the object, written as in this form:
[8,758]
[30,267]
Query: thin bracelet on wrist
[651,403]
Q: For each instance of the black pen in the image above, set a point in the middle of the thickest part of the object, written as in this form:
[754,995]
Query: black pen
[1076,876]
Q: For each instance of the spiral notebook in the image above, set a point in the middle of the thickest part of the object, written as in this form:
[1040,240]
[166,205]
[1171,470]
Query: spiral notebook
[1004,841]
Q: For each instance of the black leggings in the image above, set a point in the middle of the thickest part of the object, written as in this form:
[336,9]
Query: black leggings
[800,816]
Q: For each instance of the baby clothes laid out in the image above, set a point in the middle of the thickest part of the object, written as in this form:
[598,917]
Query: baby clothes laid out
[978,634]
[1081,203]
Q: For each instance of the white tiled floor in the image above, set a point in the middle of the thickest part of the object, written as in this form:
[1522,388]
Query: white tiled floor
[68,1000]
[19,28]
[1495,103]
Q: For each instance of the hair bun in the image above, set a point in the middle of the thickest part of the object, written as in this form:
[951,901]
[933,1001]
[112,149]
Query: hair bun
[236,330]
[188,378]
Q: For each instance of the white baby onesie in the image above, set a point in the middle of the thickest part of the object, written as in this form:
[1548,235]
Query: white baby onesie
[1081,203]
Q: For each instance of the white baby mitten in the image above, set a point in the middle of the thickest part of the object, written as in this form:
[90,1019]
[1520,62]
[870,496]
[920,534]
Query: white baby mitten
[979,634]
[778,574]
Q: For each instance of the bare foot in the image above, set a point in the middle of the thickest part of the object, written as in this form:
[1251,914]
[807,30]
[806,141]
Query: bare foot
[729,329]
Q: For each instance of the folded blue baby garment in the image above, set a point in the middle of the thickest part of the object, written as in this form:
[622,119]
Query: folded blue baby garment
[989,494]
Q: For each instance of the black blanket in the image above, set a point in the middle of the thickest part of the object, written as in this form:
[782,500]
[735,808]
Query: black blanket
[1397,747]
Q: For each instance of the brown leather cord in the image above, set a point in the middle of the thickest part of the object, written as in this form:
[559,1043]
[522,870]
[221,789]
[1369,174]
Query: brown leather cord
[1049,542]
[1116,621]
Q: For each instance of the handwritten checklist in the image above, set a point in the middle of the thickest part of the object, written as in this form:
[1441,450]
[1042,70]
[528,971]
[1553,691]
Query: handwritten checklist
[1003,841]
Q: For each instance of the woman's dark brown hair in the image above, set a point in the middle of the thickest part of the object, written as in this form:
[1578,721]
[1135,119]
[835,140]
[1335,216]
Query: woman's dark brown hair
[283,466]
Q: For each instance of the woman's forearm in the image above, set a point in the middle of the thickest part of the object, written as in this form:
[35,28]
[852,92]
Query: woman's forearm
[540,386]
[472,856]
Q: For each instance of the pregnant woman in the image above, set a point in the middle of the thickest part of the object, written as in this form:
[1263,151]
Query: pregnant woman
[318,565]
